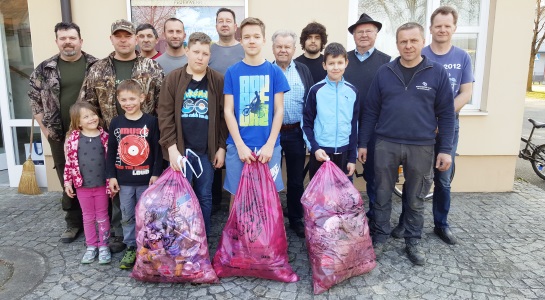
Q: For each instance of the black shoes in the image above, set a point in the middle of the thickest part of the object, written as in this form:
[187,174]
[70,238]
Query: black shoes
[116,244]
[398,232]
[415,253]
[446,235]
[299,229]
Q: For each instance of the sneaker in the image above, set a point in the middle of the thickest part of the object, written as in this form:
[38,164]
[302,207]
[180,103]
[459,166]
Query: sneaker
[398,232]
[116,244]
[127,262]
[104,255]
[89,255]
[69,234]
[415,253]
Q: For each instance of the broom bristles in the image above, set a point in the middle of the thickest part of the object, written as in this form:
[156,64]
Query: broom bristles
[28,184]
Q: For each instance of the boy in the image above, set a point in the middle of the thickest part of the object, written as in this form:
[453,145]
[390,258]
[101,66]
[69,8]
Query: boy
[254,108]
[134,159]
[191,100]
[331,114]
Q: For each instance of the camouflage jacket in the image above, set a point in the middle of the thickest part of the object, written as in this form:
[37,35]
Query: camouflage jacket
[99,87]
[44,94]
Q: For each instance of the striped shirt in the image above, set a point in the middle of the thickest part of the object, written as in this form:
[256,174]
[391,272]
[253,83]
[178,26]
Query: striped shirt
[294,100]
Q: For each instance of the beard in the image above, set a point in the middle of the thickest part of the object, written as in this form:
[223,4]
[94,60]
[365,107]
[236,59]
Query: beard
[174,46]
[69,52]
[312,51]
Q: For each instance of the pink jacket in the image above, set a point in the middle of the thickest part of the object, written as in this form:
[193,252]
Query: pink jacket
[72,175]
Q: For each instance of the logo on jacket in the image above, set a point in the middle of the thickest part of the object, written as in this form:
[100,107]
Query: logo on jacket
[423,87]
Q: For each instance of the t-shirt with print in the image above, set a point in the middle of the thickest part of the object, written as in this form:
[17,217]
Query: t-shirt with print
[457,63]
[92,162]
[134,153]
[195,116]
[253,89]
[123,71]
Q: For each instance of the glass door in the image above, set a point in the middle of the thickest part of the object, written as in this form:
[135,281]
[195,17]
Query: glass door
[16,65]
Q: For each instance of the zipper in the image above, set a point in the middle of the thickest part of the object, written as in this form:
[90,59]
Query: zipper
[336,113]
[403,82]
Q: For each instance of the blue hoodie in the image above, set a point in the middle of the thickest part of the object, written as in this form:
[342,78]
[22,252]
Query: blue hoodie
[330,117]
[409,114]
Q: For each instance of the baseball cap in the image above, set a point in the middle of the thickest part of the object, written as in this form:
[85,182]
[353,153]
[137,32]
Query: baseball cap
[123,25]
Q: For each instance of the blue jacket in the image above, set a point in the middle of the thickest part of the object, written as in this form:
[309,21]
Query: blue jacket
[409,114]
[330,117]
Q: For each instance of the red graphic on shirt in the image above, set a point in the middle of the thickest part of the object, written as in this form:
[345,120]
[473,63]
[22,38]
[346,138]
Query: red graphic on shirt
[133,150]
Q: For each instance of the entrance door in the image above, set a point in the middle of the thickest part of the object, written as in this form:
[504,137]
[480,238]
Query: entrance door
[16,65]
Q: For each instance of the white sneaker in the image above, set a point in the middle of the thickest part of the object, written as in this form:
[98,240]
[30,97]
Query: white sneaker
[104,255]
[90,255]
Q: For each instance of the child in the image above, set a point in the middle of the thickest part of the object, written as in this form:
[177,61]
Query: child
[134,160]
[190,102]
[86,147]
[330,115]
[254,108]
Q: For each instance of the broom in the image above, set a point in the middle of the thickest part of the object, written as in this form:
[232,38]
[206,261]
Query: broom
[28,184]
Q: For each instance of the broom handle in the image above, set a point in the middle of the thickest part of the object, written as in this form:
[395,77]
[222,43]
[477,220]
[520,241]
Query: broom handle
[31,136]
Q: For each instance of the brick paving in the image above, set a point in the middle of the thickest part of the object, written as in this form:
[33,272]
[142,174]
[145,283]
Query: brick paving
[500,256]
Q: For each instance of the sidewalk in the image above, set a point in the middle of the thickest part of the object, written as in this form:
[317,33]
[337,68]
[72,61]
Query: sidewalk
[500,256]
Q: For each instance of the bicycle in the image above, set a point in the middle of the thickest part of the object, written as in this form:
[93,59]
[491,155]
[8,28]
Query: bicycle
[535,154]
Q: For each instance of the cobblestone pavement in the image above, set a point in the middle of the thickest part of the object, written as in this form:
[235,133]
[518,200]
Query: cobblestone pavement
[500,256]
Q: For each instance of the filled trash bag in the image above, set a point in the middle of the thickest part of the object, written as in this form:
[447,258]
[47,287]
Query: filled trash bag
[336,230]
[253,242]
[170,234]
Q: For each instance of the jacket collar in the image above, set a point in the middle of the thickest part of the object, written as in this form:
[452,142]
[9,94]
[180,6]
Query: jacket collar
[426,63]
[333,83]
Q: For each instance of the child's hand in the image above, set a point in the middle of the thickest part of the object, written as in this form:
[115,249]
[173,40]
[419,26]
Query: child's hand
[266,152]
[173,155]
[362,155]
[69,191]
[351,168]
[321,155]
[153,179]
[245,154]
[219,158]
[114,186]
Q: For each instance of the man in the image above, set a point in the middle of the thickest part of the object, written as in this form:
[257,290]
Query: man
[147,36]
[408,100]
[226,52]
[364,63]
[313,40]
[458,65]
[291,134]
[99,88]
[174,57]
[54,87]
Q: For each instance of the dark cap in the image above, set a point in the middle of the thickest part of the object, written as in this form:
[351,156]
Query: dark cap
[364,19]
[123,25]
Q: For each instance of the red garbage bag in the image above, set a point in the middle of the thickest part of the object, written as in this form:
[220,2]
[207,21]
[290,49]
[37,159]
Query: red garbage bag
[170,234]
[336,230]
[253,241]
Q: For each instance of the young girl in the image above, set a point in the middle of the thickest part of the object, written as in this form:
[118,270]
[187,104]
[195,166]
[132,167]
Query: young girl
[85,151]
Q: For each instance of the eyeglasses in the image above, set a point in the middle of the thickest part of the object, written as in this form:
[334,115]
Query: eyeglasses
[366,32]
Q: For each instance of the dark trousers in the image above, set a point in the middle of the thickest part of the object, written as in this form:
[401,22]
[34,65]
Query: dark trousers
[417,164]
[340,160]
[74,216]
[369,176]
[294,152]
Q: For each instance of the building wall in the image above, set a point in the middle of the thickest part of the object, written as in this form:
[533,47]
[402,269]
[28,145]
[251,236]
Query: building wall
[489,140]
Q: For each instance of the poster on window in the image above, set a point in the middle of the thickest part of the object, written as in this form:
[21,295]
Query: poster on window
[197,15]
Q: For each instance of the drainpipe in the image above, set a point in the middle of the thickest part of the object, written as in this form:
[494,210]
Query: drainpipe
[66,11]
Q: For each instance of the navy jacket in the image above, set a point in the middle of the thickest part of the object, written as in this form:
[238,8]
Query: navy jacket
[409,114]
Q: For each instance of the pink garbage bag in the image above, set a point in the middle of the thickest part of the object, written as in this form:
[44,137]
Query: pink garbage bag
[336,230]
[253,242]
[170,234]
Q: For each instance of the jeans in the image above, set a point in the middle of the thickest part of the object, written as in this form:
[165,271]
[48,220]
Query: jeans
[94,204]
[294,151]
[369,176]
[129,195]
[202,186]
[71,206]
[441,189]
[417,164]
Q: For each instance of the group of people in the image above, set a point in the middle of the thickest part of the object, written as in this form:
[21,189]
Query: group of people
[114,124]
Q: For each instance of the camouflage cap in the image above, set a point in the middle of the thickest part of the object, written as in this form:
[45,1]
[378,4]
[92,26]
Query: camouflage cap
[123,25]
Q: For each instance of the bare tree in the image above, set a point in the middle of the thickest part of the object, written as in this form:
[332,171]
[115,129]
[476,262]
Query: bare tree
[537,40]
[154,15]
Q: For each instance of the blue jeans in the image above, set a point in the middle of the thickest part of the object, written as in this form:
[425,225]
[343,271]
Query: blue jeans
[294,151]
[128,197]
[369,175]
[441,190]
[417,164]
[202,186]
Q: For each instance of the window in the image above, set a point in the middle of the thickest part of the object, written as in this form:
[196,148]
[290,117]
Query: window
[470,33]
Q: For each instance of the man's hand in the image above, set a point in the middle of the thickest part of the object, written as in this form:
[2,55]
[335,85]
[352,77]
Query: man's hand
[173,155]
[362,155]
[69,191]
[245,154]
[443,161]
[153,179]
[219,158]
[266,153]
[114,186]
[351,168]
[321,155]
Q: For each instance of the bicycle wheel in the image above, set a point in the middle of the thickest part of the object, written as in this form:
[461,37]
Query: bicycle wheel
[398,189]
[538,161]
